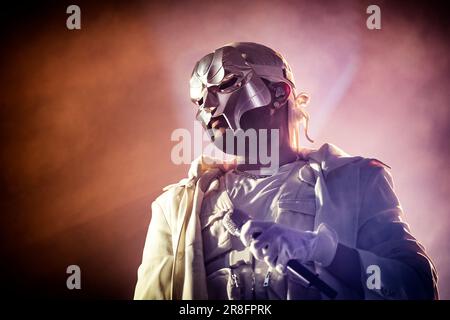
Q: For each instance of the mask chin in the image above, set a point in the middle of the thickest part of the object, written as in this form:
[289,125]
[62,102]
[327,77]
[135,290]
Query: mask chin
[220,140]
[258,118]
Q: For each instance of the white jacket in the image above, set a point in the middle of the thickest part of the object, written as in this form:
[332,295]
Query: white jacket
[354,196]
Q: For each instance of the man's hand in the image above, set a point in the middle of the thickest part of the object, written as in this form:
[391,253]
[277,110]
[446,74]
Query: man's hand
[277,244]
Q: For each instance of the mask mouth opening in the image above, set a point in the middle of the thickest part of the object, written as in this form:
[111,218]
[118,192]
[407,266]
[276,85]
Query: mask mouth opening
[217,126]
[218,122]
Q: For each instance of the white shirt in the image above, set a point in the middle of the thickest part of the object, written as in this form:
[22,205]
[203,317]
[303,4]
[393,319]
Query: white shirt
[232,272]
[257,197]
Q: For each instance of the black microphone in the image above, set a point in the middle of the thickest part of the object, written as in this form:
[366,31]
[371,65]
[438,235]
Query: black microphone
[233,221]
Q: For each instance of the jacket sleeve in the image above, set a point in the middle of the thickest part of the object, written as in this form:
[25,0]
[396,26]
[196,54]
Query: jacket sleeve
[385,244]
[155,272]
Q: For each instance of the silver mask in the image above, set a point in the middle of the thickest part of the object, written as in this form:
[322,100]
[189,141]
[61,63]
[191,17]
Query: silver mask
[229,82]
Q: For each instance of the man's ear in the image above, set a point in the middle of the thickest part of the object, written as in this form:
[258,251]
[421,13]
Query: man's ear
[281,92]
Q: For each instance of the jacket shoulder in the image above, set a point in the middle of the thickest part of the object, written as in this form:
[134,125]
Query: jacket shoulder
[332,158]
[370,164]
[366,171]
[167,197]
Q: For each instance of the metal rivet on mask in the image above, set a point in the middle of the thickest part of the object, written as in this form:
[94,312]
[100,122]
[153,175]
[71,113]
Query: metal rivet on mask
[279,92]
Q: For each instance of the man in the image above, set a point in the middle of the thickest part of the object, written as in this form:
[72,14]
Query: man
[337,215]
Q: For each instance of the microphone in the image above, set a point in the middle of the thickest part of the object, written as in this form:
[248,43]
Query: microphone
[233,221]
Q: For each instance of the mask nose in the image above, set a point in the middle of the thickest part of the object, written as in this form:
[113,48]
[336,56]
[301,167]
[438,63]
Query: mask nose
[211,103]
[205,113]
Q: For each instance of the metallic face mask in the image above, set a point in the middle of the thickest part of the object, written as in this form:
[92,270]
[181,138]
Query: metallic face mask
[227,84]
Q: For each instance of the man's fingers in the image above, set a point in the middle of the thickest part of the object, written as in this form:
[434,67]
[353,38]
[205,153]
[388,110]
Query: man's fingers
[252,229]
[265,250]
[282,261]
[271,259]
[260,244]
[267,237]
[281,268]
[258,253]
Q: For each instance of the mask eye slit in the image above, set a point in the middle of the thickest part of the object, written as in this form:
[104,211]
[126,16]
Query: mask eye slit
[228,83]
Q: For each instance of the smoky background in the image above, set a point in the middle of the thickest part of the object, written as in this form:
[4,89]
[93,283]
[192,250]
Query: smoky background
[87,115]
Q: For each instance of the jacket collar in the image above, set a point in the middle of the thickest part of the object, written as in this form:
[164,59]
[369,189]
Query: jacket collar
[328,157]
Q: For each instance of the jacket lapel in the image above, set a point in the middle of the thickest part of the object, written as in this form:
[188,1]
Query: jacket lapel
[334,205]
